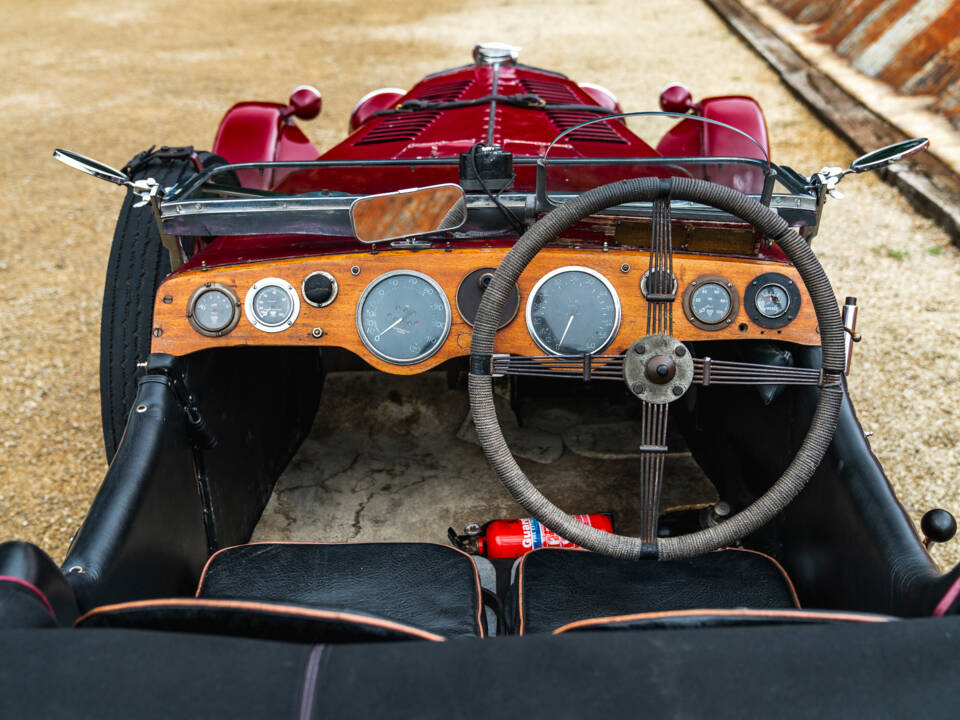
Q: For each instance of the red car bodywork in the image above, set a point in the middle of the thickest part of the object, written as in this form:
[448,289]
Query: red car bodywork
[264,131]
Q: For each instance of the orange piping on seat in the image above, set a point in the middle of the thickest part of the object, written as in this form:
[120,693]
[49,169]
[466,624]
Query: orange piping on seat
[265,607]
[476,571]
[713,612]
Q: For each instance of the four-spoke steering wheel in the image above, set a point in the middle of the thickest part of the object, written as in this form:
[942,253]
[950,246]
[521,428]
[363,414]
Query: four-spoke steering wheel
[658,368]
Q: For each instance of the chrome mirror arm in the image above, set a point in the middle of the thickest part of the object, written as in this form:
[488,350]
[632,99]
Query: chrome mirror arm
[147,190]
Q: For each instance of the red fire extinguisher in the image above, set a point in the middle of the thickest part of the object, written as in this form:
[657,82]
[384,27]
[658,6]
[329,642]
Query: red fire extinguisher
[516,537]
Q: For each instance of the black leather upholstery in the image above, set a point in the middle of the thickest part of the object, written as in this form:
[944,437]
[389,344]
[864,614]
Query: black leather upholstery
[270,621]
[23,606]
[434,587]
[34,581]
[309,592]
[553,587]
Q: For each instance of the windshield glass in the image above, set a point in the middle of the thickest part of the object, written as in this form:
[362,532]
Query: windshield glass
[680,145]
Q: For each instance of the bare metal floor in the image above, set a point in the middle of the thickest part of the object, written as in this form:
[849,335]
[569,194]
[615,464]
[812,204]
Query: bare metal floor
[391,459]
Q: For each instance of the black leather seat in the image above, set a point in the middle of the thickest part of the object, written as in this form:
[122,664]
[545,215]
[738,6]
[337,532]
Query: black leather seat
[311,592]
[33,591]
[554,588]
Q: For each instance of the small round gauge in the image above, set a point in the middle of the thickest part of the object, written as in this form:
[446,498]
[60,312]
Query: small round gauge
[772,300]
[403,317]
[573,311]
[710,302]
[213,310]
[272,305]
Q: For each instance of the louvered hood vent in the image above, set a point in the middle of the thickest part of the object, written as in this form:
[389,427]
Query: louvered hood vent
[554,93]
[407,127]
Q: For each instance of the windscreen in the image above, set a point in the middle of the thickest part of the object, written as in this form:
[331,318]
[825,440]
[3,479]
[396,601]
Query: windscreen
[683,146]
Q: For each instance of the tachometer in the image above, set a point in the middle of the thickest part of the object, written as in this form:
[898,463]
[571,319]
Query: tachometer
[403,317]
[573,311]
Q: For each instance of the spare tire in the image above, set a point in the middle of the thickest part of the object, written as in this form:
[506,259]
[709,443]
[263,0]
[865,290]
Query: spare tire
[138,263]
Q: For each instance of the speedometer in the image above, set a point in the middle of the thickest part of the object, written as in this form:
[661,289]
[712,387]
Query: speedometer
[573,311]
[403,317]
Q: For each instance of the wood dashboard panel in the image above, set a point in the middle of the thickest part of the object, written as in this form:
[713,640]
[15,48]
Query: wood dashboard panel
[174,335]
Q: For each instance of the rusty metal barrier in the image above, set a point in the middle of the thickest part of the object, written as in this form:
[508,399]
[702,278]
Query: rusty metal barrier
[913,45]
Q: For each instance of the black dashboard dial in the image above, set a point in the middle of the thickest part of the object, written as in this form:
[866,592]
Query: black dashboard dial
[403,317]
[573,311]
[772,300]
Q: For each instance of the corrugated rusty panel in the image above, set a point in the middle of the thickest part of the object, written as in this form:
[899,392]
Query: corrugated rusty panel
[938,73]
[914,45]
[932,74]
[806,11]
[846,17]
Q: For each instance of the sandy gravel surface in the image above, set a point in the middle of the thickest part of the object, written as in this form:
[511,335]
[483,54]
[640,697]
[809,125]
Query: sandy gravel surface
[107,79]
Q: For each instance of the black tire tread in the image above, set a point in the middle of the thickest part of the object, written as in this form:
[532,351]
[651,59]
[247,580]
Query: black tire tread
[137,264]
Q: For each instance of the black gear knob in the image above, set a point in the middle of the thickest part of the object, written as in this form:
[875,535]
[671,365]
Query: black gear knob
[938,526]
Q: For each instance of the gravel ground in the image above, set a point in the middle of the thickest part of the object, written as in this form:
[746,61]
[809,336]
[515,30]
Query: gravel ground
[108,79]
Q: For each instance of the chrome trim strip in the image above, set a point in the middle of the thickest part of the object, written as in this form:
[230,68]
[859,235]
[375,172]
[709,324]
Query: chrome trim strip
[331,215]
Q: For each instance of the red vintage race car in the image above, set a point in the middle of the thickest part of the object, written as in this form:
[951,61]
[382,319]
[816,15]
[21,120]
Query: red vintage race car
[314,365]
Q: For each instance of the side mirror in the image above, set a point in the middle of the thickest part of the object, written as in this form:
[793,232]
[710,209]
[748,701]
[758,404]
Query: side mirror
[408,213]
[888,155]
[91,167]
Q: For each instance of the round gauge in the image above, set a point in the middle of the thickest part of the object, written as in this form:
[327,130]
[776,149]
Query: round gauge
[213,310]
[403,317]
[710,303]
[772,300]
[573,311]
[271,305]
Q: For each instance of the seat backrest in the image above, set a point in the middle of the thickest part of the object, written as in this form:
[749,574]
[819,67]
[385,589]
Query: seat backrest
[245,618]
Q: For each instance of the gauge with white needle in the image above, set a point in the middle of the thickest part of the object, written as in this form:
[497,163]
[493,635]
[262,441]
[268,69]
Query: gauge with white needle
[573,311]
[403,317]
[396,322]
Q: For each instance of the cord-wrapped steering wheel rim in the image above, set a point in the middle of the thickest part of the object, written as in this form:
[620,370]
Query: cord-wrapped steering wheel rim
[804,463]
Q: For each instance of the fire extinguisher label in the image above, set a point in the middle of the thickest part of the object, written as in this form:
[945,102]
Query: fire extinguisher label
[536,535]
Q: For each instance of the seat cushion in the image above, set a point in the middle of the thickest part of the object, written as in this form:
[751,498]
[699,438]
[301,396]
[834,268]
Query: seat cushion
[246,618]
[432,587]
[553,588]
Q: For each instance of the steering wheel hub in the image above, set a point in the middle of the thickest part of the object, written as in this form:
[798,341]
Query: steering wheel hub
[658,369]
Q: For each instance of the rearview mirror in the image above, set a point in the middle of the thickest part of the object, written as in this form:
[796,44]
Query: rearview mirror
[408,213]
[888,155]
[91,167]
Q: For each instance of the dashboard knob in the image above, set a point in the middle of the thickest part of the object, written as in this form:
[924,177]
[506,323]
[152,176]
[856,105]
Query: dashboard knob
[319,288]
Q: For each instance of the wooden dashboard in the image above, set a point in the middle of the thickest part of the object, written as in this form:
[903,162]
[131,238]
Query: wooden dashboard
[335,324]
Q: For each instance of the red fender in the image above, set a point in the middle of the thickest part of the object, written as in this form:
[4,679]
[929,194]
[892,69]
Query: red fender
[690,137]
[261,132]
